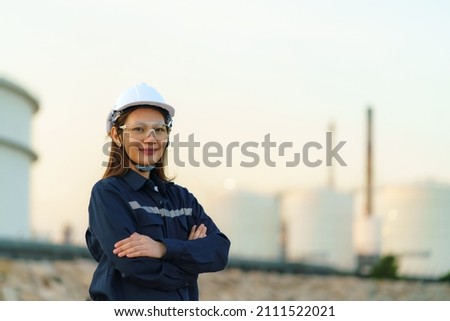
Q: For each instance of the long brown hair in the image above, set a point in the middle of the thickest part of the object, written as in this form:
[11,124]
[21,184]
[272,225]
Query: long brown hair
[119,162]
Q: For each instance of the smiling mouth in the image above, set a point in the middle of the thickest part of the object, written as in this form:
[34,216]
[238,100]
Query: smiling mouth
[148,151]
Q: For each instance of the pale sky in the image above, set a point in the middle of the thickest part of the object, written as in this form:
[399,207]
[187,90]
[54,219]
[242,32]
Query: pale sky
[234,71]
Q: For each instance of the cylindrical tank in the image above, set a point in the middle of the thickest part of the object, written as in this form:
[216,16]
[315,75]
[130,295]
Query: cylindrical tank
[16,110]
[416,227]
[318,227]
[252,222]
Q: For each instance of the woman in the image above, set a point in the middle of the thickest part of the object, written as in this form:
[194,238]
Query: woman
[150,237]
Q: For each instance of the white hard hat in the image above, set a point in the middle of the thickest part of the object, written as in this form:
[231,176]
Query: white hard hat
[138,95]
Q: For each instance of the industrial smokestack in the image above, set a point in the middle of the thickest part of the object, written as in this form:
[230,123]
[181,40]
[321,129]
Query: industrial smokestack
[367,224]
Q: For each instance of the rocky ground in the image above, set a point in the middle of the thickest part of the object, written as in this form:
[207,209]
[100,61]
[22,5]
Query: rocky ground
[69,280]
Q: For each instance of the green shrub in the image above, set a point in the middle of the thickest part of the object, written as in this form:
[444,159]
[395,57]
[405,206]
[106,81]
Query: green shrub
[445,278]
[385,268]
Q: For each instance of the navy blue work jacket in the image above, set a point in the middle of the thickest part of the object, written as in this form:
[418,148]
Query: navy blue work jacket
[166,212]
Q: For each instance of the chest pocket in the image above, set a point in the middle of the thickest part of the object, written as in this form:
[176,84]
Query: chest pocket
[177,227]
[162,224]
[150,224]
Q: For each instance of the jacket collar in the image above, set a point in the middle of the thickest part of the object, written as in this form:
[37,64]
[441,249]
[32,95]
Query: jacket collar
[133,179]
[136,181]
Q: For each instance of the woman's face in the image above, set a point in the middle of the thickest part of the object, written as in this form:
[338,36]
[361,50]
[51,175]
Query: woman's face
[145,136]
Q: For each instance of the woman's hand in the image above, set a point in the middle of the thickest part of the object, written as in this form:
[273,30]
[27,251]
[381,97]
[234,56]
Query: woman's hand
[197,232]
[138,245]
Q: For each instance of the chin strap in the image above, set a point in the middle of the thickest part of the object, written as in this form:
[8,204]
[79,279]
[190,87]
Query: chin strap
[144,168]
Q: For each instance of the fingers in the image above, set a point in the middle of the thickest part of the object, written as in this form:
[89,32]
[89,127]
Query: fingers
[137,245]
[202,231]
[197,232]
[131,246]
[131,252]
[192,233]
[135,237]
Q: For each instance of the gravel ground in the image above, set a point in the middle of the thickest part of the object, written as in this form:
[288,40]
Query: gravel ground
[233,284]
[23,280]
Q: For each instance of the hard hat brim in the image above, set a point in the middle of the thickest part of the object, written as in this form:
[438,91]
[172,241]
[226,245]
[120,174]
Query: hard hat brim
[167,107]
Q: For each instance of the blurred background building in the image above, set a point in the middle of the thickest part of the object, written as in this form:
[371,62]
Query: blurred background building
[253,222]
[416,227]
[318,227]
[17,108]
[328,228]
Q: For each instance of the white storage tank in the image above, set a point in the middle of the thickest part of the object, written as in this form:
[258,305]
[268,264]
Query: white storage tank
[252,222]
[318,227]
[416,227]
[16,110]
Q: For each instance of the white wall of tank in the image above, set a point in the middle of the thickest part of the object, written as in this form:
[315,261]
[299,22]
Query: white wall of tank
[16,110]
[252,222]
[413,224]
[318,227]
[416,227]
